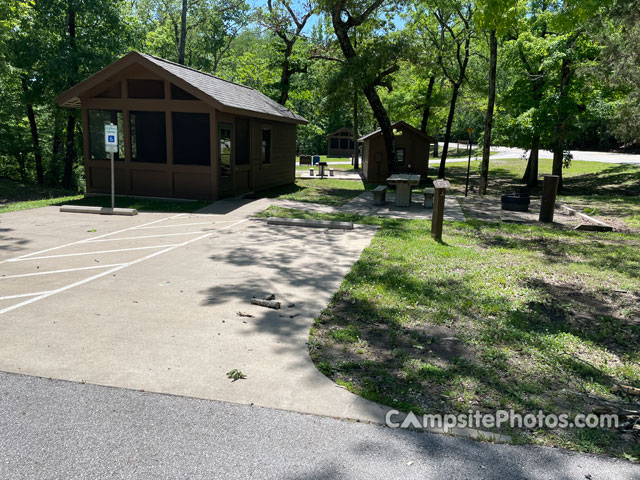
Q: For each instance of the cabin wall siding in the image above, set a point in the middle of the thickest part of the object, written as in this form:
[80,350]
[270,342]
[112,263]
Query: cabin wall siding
[200,182]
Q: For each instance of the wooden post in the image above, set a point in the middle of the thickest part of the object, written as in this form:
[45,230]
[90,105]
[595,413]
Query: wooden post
[440,187]
[549,192]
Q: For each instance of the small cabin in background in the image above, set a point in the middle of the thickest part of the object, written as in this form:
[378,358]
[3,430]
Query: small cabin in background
[340,143]
[412,151]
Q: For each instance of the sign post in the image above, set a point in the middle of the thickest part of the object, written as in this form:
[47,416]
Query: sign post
[466,188]
[111,146]
[437,215]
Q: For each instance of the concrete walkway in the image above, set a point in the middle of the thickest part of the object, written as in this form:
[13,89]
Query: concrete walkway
[363,205]
[151,303]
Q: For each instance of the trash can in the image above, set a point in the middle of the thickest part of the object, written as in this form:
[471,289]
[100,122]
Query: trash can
[316,159]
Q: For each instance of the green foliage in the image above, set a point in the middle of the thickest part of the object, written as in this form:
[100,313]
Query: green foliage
[399,42]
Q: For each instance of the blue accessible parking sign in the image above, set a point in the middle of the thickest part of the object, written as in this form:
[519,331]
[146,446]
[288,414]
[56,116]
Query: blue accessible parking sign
[111,138]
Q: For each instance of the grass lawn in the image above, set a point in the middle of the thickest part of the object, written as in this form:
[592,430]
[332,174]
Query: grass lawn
[496,317]
[305,168]
[143,204]
[461,153]
[16,196]
[326,191]
[581,178]
[606,190]
[324,158]
[22,196]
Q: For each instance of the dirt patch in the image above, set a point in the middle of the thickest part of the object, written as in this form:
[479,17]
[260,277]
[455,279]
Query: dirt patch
[488,209]
[610,318]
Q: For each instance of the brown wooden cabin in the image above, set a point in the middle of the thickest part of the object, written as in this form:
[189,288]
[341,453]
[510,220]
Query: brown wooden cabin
[412,147]
[182,133]
[340,143]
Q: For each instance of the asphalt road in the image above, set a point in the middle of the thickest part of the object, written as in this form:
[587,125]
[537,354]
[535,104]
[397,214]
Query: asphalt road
[52,429]
[585,156]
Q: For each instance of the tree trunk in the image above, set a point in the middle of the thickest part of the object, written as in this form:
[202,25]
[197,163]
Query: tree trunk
[379,112]
[22,166]
[427,105]
[381,116]
[530,176]
[447,133]
[561,128]
[183,32]
[356,146]
[70,153]
[37,152]
[488,119]
[285,84]
[558,156]
[285,76]
[452,107]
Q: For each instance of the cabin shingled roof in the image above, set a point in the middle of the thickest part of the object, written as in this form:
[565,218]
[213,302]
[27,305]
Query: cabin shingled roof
[226,93]
[402,124]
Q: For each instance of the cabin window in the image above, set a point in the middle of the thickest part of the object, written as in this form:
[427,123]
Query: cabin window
[179,94]
[148,137]
[145,89]
[266,145]
[344,144]
[225,135]
[97,120]
[191,145]
[400,155]
[335,142]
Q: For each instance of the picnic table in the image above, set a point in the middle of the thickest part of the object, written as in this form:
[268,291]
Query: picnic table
[403,183]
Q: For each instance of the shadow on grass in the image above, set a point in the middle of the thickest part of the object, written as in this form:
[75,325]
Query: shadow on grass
[333,192]
[142,204]
[443,329]
[605,251]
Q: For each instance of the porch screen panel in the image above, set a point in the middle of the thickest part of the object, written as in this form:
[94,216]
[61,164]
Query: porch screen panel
[148,137]
[97,120]
[191,145]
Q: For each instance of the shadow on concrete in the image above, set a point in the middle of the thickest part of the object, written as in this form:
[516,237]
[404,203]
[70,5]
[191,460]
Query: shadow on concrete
[9,243]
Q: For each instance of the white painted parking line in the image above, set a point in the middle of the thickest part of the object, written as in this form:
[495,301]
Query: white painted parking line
[22,295]
[115,269]
[176,225]
[20,259]
[88,239]
[146,236]
[65,270]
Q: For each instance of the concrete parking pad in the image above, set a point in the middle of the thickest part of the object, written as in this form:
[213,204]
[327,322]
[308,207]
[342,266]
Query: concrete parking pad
[151,303]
